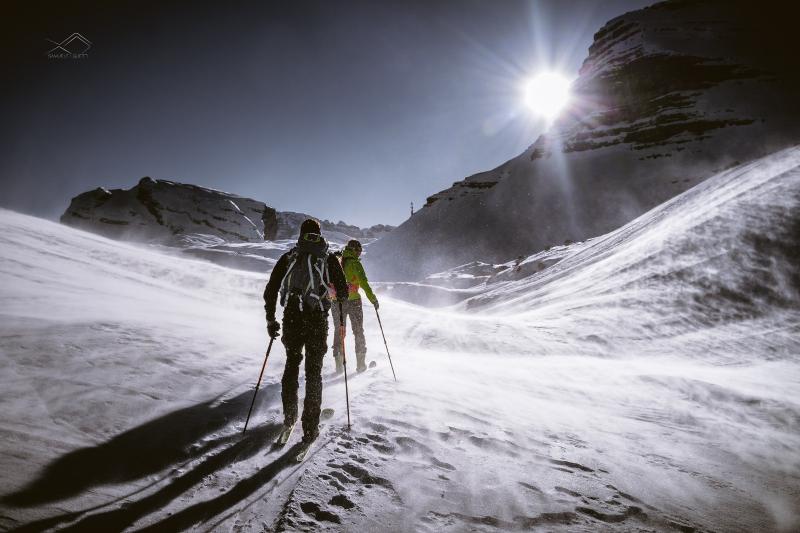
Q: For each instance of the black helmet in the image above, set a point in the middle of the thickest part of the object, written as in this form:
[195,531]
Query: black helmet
[310,225]
[354,245]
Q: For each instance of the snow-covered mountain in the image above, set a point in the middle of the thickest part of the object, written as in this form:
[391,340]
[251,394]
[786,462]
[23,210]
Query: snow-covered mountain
[647,380]
[668,96]
[162,211]
[339,232]
[224,228]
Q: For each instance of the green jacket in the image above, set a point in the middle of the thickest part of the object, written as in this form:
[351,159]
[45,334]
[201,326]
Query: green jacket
[356,278]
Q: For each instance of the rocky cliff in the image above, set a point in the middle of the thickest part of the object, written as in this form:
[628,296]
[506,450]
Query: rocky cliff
[166,212]
[667,96]
[216,226]
[161,211]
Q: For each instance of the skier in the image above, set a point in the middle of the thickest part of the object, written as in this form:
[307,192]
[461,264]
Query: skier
[356,278]
[302,276]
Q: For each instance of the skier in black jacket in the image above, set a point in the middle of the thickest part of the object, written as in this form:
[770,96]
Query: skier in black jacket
[302,276]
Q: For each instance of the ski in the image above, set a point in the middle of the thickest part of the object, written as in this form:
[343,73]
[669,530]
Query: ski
[283,436]
[304,449]
[326,414]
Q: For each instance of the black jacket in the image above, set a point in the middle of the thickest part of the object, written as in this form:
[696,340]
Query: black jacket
[274,284]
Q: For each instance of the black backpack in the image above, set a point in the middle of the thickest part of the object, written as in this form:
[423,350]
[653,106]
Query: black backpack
[307,274]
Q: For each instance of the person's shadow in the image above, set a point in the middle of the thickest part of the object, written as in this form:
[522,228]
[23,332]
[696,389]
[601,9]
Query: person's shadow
[168,441]
[203,511]
[122,517]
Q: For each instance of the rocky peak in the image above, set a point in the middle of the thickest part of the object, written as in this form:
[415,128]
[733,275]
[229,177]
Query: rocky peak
[667,96]
[666,76]
[184,215]
[336,232]
[161,210]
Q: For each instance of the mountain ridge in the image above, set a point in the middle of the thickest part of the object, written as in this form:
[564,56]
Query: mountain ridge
[164,211]
[667,96]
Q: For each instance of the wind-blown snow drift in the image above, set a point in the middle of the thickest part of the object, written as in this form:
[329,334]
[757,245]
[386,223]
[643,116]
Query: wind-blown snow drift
[724,253]
[649,381]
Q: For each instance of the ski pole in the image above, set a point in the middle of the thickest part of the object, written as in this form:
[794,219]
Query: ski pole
[384,343]
[342,332]
[257,384]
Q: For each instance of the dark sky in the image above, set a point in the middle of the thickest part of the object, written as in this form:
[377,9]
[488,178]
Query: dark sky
[342,109]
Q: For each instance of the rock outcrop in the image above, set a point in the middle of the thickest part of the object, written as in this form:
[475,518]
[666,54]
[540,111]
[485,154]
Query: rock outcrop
[161,211]
[667,96]
[216,226]
[289,225]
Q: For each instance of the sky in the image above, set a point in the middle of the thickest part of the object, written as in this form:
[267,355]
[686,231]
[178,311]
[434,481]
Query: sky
[346,110]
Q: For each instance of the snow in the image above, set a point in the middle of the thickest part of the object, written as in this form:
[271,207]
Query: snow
[647,380]
[255,227]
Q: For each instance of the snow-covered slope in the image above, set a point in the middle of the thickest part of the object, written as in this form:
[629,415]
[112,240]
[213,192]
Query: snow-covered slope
[668,96]
[733,239]
[454,285]
[649,381]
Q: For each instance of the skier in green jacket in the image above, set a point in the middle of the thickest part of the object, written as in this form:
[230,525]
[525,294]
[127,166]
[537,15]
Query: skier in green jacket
[356,279]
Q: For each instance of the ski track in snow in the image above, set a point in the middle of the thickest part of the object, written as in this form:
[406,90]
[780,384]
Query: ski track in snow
[543,404]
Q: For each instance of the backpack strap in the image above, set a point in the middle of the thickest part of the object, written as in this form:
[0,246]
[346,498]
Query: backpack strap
[327,276]
[311,285]
[322,269]
[287,276]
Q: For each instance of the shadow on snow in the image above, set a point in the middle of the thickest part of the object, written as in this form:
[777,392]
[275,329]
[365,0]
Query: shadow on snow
[172,440]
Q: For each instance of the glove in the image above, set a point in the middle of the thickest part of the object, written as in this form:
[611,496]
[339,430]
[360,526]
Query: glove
[375,303]
[273,328]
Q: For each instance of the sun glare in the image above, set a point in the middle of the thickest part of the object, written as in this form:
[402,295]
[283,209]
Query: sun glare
[546,94]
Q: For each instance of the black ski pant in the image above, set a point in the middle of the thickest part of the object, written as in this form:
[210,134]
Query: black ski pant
[307,328]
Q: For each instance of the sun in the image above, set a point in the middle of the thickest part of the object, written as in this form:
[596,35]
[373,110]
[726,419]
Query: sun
[546,94]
